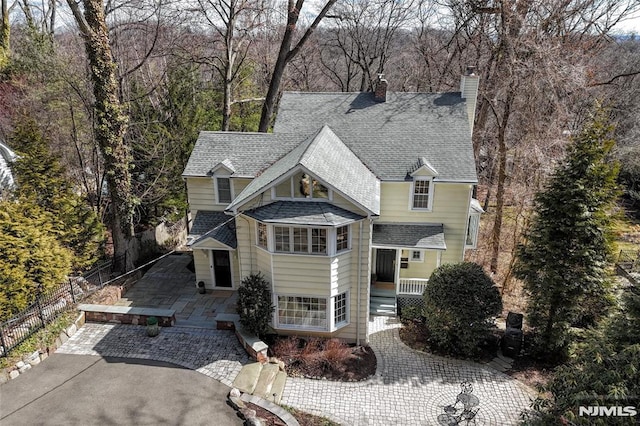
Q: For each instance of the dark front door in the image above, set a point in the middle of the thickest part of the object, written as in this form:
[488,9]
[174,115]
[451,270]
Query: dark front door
[385,265]
[222,268]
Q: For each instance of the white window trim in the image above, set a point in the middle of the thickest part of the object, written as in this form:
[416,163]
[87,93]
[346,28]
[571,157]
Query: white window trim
[266,247]
[474,217]
[412,193]
[292,190]
[331,243]
[215,185]
[411,259]
[334,238]
[330,303]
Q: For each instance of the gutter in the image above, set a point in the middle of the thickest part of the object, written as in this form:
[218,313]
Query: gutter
[359,283]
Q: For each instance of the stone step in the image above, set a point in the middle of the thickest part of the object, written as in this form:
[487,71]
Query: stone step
[277,388]
[265,381]
[380,292]
[385,302]
[247,378]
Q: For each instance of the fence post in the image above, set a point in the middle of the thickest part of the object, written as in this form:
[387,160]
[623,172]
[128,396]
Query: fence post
[5,349]
[40,313]
[73,296]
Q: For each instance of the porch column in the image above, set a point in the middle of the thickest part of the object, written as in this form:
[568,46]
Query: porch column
[397,269]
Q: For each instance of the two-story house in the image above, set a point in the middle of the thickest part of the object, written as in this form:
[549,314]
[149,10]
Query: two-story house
[351,203]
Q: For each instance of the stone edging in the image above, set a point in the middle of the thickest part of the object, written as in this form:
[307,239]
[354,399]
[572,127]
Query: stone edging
[237,400]
[255,347]
[35,358]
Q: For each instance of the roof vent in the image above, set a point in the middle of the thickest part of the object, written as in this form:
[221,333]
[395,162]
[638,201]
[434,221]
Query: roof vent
[380,94]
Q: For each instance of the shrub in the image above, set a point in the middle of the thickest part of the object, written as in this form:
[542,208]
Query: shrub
[411,313]
[254,304]
[459,303]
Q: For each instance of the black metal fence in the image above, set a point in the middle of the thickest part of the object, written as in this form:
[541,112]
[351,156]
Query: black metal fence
[629,260]
[50,304]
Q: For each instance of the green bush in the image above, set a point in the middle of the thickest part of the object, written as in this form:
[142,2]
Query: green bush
[411,313]
[460,302]
[254,304]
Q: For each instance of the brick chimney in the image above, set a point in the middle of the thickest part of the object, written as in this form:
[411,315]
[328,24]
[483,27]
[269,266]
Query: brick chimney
[380,94]
[469,92]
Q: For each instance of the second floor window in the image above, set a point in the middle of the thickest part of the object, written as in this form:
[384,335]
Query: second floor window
[342,238]
[262,235]
[421,194]
[300,240]
[224,190]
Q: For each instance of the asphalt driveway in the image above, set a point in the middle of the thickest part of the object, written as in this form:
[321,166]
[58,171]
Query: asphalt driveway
[80,390]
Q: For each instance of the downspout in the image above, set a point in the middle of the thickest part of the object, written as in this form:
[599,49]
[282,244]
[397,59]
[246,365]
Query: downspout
[239,255]
[359,283]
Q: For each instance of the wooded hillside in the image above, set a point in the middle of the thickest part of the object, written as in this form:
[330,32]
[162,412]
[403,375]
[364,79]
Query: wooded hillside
[122,96]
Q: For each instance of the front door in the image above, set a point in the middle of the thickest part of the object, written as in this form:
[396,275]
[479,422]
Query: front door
[385,265]
[222,268]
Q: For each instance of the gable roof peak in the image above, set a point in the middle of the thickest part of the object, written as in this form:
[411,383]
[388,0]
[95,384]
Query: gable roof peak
[422,164]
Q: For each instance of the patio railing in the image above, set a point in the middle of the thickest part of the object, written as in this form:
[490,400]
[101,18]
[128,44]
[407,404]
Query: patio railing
[414,286]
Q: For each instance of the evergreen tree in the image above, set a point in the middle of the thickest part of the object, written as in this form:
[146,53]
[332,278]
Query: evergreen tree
[569,243]
[605,372]
[31,258]
[41,180]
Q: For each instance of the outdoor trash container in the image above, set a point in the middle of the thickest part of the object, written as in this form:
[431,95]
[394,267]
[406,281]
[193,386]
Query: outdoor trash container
[512,342]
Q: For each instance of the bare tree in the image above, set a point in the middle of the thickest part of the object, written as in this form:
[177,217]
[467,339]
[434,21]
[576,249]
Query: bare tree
[111,123]
[287,53]
[234,23]
[364,33]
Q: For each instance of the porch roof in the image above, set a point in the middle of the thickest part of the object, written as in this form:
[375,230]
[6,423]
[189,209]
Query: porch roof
[303,213]
[216,225]
[418,236]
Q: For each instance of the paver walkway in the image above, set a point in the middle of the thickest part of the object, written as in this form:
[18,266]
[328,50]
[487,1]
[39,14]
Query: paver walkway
[214,353]
[169,284]
[409,388]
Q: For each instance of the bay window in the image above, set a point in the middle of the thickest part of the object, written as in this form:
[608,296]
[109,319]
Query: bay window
[312,313]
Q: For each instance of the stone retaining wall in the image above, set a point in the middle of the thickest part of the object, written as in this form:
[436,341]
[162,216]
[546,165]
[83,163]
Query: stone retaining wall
[127,315]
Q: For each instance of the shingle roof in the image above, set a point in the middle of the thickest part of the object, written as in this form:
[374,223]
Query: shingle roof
[248,153]
[216,225]
[303,213]
[327,158]
[428,236]
[389,137]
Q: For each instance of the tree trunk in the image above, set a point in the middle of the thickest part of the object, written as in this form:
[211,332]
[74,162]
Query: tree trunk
[5,32]
[502,177]
[278,69]
[111,125]
[286,54]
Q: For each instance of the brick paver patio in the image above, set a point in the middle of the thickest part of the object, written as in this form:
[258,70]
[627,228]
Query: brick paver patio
[409,388]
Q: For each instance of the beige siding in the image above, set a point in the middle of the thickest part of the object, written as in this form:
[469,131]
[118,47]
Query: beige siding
[263,264]
[341,273]
[203,270]
[201,194]
[245,235]
[420,269]
[201,263]
[239,184]
[340,201]
[302,275]
[450,207]
[362,271]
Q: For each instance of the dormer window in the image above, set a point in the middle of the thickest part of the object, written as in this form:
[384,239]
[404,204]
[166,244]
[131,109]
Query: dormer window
[223,185]
[421,193]
[301,186]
